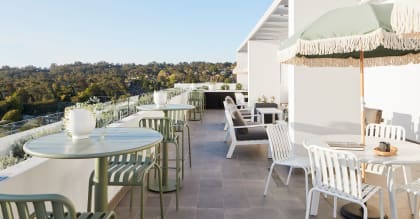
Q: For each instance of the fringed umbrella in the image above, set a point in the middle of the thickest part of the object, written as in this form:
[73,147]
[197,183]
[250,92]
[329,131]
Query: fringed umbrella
[405,18]
[358,36]
[355,36]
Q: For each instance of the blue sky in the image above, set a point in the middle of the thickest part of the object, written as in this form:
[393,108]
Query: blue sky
[138,31]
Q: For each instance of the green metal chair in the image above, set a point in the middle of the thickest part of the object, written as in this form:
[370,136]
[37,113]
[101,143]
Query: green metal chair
[131,170]
[179,123]
[44,206]
[165,127]
[196,98]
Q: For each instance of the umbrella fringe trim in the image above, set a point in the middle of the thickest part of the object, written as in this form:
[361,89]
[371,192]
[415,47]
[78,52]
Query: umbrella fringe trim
[351,62]
[367,42]
[405,19]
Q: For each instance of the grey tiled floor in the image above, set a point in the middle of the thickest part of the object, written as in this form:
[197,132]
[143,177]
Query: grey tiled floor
[217,188]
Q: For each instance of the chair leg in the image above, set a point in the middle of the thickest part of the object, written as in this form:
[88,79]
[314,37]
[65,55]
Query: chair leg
[365,212]
[288,177]
[381,205]
[89,201]
[267,181]
[131,197]
[227,135]
[306,183]
[231,149]
[178,181]
[189,143]
[182,154]
[142,191]
[308,203]
[335,208]
[160,190]
[416,210]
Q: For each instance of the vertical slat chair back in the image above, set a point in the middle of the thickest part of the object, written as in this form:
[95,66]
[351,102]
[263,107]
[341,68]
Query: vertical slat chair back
[335,170]
[161,124]
[177,116]
[280,144]
[385,132]
[40,206]
[196,98]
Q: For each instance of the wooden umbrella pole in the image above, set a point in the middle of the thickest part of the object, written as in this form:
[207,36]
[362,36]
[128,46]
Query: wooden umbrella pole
[362,108]
[362,97]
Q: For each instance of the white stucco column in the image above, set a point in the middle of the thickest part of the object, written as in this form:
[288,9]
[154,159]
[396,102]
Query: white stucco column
[264,74]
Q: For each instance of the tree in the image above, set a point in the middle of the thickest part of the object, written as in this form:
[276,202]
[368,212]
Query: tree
[13,115]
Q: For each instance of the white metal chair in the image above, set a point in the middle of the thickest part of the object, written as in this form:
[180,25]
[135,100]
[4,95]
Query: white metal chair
[389,133]
[282,153]
[243,134]
[337,173]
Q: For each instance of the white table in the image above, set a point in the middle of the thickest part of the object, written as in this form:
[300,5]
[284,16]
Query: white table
[269,110]
[408,154]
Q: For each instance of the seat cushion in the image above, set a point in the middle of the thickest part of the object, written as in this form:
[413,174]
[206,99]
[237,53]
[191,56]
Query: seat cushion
[257,133]
[238,120]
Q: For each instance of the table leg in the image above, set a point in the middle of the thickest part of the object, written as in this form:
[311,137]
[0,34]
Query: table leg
[389,185]
[101,181]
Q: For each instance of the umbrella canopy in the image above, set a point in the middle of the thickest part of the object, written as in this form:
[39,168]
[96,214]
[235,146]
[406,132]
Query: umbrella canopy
[337,38]
[405,18]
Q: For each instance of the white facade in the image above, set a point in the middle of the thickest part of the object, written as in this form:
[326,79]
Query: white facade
[396,90]
[263,71]
[241,69]
[257,64]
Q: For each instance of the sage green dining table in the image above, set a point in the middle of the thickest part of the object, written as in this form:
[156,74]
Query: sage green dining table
[167,187]
[102,143]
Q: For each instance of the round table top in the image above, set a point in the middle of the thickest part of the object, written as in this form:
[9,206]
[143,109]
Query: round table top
[103,142]
[408,152]
[166,107]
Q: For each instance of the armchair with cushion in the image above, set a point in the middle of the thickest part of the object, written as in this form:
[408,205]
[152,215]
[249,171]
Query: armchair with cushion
[243,134]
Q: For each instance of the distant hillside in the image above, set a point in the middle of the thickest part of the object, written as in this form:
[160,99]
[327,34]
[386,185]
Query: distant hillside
[36,91]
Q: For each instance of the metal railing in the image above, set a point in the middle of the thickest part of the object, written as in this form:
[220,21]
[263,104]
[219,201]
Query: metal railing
[23,125]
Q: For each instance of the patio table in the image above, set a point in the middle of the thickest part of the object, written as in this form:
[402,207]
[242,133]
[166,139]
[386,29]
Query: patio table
[102,143]
[408,154]
[167,186]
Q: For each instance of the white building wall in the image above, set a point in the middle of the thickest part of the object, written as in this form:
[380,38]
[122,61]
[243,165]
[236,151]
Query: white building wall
[396,90]
[321,100]
[263,71]
[241,69]
[243,79]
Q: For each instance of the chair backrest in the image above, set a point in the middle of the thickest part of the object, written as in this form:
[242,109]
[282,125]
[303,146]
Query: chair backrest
[42,206]
[240,99]
[160,124]
[177,115]
[335,171]
[280,144]
[385,132]
[145,154]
